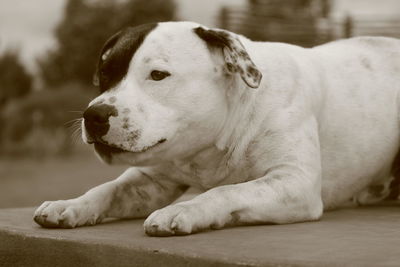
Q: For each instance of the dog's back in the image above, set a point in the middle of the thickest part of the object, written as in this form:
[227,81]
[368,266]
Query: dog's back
[359,122]
[356,83]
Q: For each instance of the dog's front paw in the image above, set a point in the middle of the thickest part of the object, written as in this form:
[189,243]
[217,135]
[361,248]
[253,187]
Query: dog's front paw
[64,214]
[182,219]
[176,219]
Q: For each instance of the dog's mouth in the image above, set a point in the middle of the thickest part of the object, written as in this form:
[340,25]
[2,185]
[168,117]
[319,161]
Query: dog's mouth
[108,150]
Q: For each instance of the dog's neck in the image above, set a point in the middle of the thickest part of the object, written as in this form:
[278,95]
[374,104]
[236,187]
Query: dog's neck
[223,161]
[206,169]
[242,122]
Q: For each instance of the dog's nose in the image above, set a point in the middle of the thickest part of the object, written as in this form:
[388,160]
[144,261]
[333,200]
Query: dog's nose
[96,119]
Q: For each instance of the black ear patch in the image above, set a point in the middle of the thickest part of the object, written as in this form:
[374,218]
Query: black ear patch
[237,59]
[117,53]
[105,51]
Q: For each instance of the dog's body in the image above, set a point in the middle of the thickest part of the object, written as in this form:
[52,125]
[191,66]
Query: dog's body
[321,128]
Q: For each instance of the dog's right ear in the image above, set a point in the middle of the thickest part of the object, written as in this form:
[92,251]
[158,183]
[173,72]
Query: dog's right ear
[105,52]
[237,59]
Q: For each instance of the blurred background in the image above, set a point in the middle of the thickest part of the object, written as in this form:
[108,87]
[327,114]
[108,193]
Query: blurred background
[49,49]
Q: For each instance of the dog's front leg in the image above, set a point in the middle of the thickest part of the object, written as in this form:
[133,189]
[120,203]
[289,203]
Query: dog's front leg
[134,194]
[290,191]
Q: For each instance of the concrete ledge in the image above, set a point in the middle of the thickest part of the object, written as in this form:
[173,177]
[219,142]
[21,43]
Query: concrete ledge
[357,237]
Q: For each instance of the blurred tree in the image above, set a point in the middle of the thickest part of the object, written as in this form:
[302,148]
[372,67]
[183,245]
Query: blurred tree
[223,18]
[15,81]
[292,21]
[84,29]
[47,109]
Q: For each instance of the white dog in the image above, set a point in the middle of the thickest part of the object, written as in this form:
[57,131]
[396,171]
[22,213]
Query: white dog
[274,133]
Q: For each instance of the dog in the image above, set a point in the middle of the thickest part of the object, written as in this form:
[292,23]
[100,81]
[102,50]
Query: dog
[271,132]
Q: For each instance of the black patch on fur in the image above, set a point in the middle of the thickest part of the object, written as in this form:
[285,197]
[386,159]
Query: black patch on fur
[252,70]
[395,184]
[243,54]
[237,54]
[213,38]
[230,67]
[123,46]
[376,190]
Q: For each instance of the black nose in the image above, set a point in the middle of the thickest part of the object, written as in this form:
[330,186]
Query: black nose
[96,119]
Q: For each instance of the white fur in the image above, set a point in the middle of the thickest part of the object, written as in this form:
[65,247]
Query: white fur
[322,126]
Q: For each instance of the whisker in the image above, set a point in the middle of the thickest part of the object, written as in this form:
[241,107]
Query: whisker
[75,136]
[73,121]
[76,111]
[75,129]
[76,124]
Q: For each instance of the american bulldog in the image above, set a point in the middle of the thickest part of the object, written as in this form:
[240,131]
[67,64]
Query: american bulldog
[271,132]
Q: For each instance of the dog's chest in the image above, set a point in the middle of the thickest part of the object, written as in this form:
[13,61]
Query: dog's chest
[208,169]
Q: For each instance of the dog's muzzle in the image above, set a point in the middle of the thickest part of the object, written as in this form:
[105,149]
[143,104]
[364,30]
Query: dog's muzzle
[96,120]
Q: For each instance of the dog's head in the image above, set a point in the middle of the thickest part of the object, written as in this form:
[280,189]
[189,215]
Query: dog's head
[163,91]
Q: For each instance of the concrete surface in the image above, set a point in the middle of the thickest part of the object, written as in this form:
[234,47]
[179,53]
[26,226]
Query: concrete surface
[348,237]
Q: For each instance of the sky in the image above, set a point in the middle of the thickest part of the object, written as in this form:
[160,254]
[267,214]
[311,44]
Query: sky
[29,24]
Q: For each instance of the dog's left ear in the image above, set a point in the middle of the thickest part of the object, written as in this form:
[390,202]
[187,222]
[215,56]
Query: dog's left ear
[236,57]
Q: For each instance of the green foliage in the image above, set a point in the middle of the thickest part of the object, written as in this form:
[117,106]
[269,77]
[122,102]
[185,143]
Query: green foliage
[15,81]
[84,29]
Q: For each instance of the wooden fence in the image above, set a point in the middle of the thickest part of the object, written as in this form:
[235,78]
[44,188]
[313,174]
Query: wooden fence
[303,30]
[369,26]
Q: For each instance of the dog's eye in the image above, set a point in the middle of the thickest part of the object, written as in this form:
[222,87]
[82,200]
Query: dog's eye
[157,75]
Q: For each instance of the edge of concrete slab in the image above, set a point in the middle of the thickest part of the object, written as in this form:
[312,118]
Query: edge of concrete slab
[36,251]
[364,236]
[26,244]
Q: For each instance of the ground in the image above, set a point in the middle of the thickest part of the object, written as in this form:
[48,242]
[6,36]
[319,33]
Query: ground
[29,182]
[366,236]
